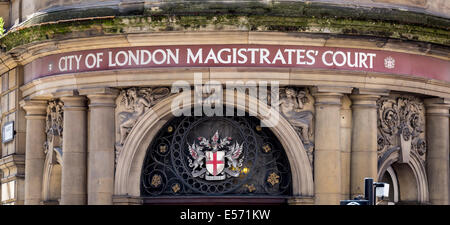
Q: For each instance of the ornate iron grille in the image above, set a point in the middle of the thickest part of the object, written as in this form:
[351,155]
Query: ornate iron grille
[246,159]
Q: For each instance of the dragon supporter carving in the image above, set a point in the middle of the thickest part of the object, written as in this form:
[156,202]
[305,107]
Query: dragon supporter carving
[401,126]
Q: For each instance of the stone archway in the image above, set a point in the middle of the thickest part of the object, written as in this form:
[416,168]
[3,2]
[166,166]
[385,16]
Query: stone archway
[51,185]
[410,178]
[130,160]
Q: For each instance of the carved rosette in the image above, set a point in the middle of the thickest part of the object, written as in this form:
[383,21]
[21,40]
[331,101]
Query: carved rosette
[54,126]
[297,106]
[401,125]
[132,103]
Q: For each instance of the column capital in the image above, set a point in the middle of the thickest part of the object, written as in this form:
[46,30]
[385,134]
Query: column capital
[35,109]
[71,99]
[100,97]
[65,93]
[370,91]
[366,97]
[437,102]
[329,96]
[99,91]
[317,90]
[437,106]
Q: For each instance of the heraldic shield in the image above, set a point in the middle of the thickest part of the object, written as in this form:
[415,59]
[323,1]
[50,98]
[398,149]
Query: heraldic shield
[221,158]
[217,156]
[215,163]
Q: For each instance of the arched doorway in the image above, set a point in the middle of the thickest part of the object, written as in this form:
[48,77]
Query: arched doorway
[51,190]
[209,160]
[132,156]
[408,182]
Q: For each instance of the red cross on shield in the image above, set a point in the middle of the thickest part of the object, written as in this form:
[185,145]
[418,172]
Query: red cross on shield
[215,162]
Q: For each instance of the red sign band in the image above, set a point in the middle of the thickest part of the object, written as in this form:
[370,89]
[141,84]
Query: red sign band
[279,56]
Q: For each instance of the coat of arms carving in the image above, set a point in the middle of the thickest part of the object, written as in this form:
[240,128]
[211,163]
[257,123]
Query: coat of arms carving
[215,159]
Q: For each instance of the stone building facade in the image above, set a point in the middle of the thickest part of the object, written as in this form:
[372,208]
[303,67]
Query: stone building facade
[323,94]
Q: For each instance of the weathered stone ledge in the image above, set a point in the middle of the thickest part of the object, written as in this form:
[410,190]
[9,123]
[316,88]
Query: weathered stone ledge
[90,27]
[284,17]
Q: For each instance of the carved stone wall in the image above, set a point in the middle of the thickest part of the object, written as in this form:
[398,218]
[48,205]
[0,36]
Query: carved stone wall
[296,105]
[130,160]
[401,126]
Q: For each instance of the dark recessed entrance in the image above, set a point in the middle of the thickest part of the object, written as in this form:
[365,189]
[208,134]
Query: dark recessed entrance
[215,160]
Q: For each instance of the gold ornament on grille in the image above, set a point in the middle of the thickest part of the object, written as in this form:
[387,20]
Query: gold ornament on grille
[273,179]
[163,148]
[251,187]
[258,128]
[169,129]
[156,180]
[267,148]
[176,188]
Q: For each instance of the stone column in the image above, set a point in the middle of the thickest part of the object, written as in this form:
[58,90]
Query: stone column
[34,149]
[73,181]
[327,153]
[437,162]
[346,146]
[364,138]
[101,145]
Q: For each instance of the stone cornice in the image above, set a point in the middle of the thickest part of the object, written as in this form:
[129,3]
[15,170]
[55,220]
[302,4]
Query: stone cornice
[419,12]
[44,87]
[11,161]
[284,17]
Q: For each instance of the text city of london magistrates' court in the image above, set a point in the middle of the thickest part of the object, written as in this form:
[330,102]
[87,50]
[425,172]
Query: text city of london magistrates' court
[205,102]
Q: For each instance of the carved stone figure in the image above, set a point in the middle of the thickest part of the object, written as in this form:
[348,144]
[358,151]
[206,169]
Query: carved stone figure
[291,106]
[54,131]
[137,101]
[401,126]
[292,102]
[54,120]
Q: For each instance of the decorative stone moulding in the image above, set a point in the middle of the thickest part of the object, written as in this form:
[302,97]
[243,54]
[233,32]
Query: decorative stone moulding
[401,127]
[54,126]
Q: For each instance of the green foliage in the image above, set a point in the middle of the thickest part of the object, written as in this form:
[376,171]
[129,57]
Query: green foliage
[2,23]
[195,16]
